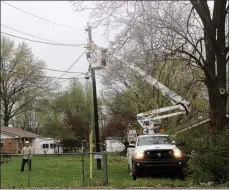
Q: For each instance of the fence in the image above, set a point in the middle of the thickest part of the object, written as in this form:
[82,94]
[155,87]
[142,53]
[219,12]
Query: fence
[54,170]
[70,171]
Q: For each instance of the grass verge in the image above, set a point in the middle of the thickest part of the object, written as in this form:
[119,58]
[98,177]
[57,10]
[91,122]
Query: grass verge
[66,172]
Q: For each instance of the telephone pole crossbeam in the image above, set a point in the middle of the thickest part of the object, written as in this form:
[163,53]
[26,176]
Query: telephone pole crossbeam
[95,107]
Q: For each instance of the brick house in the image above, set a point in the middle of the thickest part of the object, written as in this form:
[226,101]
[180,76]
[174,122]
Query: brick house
[13,139]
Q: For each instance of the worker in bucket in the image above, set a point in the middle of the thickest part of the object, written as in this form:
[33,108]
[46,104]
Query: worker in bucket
[26,154]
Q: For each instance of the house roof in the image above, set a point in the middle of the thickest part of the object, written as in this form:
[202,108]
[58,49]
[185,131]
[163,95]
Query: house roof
[18,132]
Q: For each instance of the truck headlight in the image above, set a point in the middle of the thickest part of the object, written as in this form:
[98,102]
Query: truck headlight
[177,153]
[139,155]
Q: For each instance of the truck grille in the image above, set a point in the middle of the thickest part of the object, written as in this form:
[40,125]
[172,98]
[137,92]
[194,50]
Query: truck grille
[158,155]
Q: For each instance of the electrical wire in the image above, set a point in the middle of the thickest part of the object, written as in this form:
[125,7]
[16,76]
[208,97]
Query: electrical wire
[45,76]
[28,34]
[71,65]
[59,70]
[58,78]
[76,45]
[43,18]
[35,36]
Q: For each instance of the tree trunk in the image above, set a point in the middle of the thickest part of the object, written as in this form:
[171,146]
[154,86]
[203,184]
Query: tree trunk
[6,122]
[215,64]
[217,104]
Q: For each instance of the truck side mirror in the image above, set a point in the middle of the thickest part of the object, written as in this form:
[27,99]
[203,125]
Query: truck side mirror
[130,146]
[126,144]
[173,142]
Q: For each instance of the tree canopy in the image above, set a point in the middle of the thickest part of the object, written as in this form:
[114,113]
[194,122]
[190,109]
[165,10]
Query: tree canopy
[69,115]
[23,83]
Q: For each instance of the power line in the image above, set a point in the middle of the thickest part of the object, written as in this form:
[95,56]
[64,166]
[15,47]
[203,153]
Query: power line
[35,36]
[27,34]
[43,18]
[71,65]
[45,76]
[73,72]
[58,78]
[59,70]
[76,45]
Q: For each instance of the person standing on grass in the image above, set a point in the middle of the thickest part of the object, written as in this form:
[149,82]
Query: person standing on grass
[26,154]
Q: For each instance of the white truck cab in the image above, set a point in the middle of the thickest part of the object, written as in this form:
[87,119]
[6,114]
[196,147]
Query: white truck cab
[155,153]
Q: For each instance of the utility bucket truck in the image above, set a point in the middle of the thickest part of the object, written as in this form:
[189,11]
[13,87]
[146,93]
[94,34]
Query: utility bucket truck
[151,152]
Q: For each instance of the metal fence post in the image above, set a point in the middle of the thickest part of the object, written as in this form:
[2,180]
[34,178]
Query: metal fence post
[83,168]
[91,154]
[105,168]
[28,164]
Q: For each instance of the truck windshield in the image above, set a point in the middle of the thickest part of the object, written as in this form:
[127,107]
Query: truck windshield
[151,140]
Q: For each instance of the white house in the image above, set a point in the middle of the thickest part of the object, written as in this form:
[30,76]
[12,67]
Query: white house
[113,145]
[42,145]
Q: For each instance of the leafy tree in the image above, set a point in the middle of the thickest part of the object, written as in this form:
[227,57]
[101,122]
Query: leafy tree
[69,115]
[210,161]
[22,81]
[139,96]
[186,82]
[118,126]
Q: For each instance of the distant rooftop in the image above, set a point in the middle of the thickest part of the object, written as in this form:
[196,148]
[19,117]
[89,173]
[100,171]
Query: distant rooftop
[18,132]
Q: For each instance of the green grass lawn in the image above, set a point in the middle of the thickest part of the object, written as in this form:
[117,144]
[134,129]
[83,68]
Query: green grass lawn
[66,171]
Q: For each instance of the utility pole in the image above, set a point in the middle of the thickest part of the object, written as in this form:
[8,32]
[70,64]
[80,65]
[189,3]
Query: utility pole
[1,68]
[95,104]
[90,135]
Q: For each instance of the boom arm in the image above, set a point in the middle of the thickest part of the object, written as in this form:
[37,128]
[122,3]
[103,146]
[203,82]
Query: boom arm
[178,102]
[175,98]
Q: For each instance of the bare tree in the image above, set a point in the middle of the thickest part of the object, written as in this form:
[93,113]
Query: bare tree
[190,31]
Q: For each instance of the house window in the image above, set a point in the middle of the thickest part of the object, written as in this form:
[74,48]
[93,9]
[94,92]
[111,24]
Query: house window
[45,146]
[52,145]
[1,143]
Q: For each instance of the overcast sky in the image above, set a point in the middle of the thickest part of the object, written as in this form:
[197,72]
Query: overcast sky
[56,57]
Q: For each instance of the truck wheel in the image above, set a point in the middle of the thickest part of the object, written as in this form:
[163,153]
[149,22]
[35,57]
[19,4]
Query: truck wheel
[134,172]
[134,177]
[182,174]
